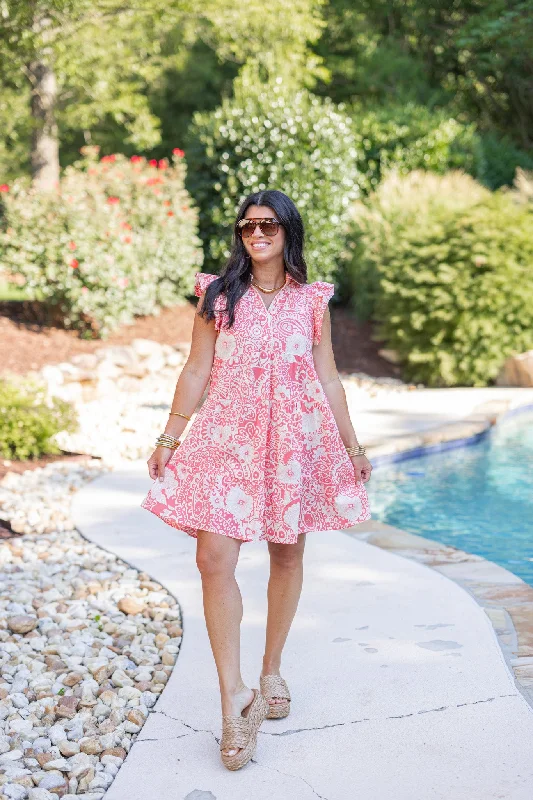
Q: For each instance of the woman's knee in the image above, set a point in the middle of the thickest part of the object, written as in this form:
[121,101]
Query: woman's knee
[215,555]
[287,556]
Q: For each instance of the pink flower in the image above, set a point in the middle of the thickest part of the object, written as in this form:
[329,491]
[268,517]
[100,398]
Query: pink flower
[135,159]
[153,162]
[84,289]
[113,200]
[4,188]
[74,263]
[178,152]
[72,245]
[108,159]
[163,163]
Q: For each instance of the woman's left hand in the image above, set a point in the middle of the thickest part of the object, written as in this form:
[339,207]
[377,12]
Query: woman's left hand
[362,468]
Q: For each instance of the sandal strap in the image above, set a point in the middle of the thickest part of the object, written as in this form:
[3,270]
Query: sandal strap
[235,732]
[274,686]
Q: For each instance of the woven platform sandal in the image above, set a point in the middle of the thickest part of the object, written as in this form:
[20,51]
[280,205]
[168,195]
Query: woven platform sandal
[241,732]
[275,686]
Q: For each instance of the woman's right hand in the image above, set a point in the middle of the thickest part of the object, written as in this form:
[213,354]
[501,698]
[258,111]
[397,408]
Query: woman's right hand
[157,462]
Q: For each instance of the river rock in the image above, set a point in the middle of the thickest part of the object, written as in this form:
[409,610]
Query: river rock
[21,623]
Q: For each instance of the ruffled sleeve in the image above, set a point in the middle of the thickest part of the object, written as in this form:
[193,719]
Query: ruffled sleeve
[202,281]
[322,292]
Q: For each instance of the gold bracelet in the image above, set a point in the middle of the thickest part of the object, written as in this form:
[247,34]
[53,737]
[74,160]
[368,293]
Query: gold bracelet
[177,413]
[166,440]
[356,450]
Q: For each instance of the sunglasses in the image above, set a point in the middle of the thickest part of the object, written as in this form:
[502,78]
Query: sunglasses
[268,226]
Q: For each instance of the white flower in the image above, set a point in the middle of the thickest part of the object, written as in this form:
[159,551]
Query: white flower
[220,434]
[295,345]
[239,503]
[313,421]
[254,528]
[225,345]
[349,507]
[314,390]
[281,392]
[216,501]
[246,452]
[159,488]
[289,473]
[291,515]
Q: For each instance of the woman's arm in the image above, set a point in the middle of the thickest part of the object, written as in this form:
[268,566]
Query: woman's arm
[190,386]
[334,391]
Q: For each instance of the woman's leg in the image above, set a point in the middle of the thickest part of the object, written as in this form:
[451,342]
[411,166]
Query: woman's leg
[284,588]
[216,558]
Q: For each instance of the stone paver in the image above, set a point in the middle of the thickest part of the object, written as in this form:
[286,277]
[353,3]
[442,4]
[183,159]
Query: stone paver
[399,684]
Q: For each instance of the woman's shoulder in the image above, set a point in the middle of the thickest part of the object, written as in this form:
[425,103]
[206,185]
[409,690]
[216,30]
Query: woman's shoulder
[321,289]
[202,281]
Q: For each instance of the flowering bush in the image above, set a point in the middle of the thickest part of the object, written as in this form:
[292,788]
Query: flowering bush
[297,143]
[117,239]
[29,419]
[448,267]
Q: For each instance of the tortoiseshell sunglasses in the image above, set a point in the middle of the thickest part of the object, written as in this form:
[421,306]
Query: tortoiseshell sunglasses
[268,226]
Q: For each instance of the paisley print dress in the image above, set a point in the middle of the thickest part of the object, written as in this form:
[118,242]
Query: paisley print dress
[263,457]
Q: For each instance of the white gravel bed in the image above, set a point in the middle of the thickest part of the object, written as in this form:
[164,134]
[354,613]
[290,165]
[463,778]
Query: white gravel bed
[38,501]
[87,644]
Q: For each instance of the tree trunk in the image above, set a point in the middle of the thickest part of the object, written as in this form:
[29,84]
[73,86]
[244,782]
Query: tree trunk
[44,145]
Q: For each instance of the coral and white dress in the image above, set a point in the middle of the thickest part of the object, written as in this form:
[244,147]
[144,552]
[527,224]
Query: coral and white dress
[263,456]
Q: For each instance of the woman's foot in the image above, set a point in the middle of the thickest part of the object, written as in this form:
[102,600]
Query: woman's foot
[273,700]
[233,706]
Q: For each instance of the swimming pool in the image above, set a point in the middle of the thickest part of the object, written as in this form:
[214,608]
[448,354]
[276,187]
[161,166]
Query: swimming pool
[478,498]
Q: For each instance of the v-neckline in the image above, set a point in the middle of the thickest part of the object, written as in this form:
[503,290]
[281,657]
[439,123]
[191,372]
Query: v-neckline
[268,311]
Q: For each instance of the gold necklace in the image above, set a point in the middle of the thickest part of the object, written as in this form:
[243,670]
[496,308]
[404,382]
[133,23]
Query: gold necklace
[269,291]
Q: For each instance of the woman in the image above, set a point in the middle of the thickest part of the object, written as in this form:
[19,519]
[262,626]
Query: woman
[272,450]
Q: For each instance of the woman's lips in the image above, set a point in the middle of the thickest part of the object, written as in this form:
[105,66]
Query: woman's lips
[260,245]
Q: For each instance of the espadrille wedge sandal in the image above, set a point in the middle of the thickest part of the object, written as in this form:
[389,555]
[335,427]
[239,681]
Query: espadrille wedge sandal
[275,686]
[241,732]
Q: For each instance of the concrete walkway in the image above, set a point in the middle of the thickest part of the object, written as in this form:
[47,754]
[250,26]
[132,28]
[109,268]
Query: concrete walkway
[399,685]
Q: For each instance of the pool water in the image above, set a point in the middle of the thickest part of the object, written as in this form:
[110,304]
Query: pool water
[478,497]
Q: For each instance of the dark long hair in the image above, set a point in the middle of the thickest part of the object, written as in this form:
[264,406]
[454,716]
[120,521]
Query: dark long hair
[236,276]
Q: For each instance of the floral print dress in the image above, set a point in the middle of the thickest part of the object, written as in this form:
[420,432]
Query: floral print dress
[263,456]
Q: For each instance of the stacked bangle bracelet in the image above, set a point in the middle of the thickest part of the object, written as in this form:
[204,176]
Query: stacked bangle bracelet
[356,450]
[165,440]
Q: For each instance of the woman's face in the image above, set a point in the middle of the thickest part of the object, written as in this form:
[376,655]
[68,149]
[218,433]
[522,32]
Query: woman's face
[260,247]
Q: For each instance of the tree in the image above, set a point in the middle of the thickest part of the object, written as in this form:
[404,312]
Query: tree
[88,62]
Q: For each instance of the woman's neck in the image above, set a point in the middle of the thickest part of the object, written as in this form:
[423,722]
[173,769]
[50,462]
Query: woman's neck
[268,275]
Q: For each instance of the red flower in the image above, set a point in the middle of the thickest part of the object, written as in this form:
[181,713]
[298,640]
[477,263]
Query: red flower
[153,162]
[170,213]
[127,239]
[163,163]
[126,226]
[108,159]
[135,159]
[113,200]
[72,245]
[167,203]
[4,188]
[74,263]
[178,152]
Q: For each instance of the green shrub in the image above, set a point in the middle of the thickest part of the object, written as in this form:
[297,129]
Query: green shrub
[448,270]
[29,420]
[296,143]
[411,136]
[502,158]
[117,239]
